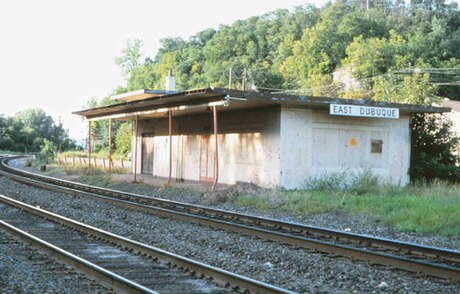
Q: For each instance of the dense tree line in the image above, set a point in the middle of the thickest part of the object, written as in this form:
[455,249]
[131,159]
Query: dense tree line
[33,131]
[389,51]
[302,48]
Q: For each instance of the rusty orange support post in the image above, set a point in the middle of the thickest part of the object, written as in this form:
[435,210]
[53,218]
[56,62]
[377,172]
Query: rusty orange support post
[110,146]
[170,147]
[89,147]
[135,146]
[216,149]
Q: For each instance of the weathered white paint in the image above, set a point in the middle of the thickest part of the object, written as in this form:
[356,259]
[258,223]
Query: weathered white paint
[280,147]
[248,146]
[314,143]
[454,116]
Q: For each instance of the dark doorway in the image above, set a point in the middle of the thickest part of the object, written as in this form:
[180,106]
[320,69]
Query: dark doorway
[206,158]
[147,153]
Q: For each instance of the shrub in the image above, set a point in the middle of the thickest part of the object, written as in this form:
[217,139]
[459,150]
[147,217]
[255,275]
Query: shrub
[357,183]
[432,151]
[328,181]
[48,151]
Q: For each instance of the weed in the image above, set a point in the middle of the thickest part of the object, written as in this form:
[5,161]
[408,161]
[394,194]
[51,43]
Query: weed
[355,182]
[101,154]
[328,181]
[423,208]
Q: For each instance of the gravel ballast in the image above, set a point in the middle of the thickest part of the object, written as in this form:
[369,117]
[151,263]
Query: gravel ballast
[339,220]
[25,270]
[295,269]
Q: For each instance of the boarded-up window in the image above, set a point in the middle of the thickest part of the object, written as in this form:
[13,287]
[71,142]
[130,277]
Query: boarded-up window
[376,146]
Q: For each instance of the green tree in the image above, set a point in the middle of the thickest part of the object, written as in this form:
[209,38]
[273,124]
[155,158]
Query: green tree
[101,128]
[123,139]
[28,130]
[34,127]
[432,149]
[130,57]
[413,89]
[47,151]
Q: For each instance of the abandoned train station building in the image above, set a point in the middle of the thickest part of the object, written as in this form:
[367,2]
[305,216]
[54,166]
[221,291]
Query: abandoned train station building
[272,140]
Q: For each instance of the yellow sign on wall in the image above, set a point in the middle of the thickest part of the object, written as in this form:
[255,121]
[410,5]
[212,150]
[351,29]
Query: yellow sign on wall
[353,142]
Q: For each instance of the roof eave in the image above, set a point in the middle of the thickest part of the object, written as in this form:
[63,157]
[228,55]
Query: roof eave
[191,96]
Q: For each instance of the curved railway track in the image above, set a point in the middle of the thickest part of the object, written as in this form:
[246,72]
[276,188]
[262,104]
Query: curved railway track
[412,257]
[119,263]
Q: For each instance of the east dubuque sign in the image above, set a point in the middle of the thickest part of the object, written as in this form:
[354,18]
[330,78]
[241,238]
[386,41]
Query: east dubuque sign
[363,111]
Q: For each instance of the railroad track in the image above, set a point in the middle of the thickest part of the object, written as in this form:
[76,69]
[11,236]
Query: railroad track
[121,264]
[432,261]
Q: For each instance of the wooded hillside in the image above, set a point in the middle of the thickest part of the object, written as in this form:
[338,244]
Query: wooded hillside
[398,52]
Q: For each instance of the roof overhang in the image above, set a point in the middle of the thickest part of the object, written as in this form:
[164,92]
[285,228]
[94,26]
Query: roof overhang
[198,100]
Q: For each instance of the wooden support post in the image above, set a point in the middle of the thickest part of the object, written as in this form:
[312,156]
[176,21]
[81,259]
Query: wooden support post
[110,147]
[135,147]
[216,149]
[73,161]
[89,147]
[170,147]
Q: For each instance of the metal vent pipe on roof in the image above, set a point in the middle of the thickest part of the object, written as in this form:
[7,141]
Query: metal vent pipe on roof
[170,82]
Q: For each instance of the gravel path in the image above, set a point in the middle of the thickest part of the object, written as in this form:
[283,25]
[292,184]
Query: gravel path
[298,270]
[25,270]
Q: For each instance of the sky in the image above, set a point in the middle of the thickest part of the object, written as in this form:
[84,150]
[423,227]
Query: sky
[56,55]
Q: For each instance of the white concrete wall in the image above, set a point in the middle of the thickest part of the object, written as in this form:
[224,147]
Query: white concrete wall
[455,117]
[281,148]
[314,143]
[248,146]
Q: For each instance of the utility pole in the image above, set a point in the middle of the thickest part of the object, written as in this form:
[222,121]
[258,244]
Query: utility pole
[230,79]
[245,80]
[367,9]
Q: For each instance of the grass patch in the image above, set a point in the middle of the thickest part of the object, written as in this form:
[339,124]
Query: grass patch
[298,203]
[101,180]
[413,209]
[100,155]
[98,177]
[431,209]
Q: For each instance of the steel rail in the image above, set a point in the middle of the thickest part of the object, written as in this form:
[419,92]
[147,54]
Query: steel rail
[249,219]
[105,277]
[220,276]
[207,216]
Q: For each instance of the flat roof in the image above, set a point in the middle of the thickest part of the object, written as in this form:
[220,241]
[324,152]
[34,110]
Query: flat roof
[191,100]
[139,95]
